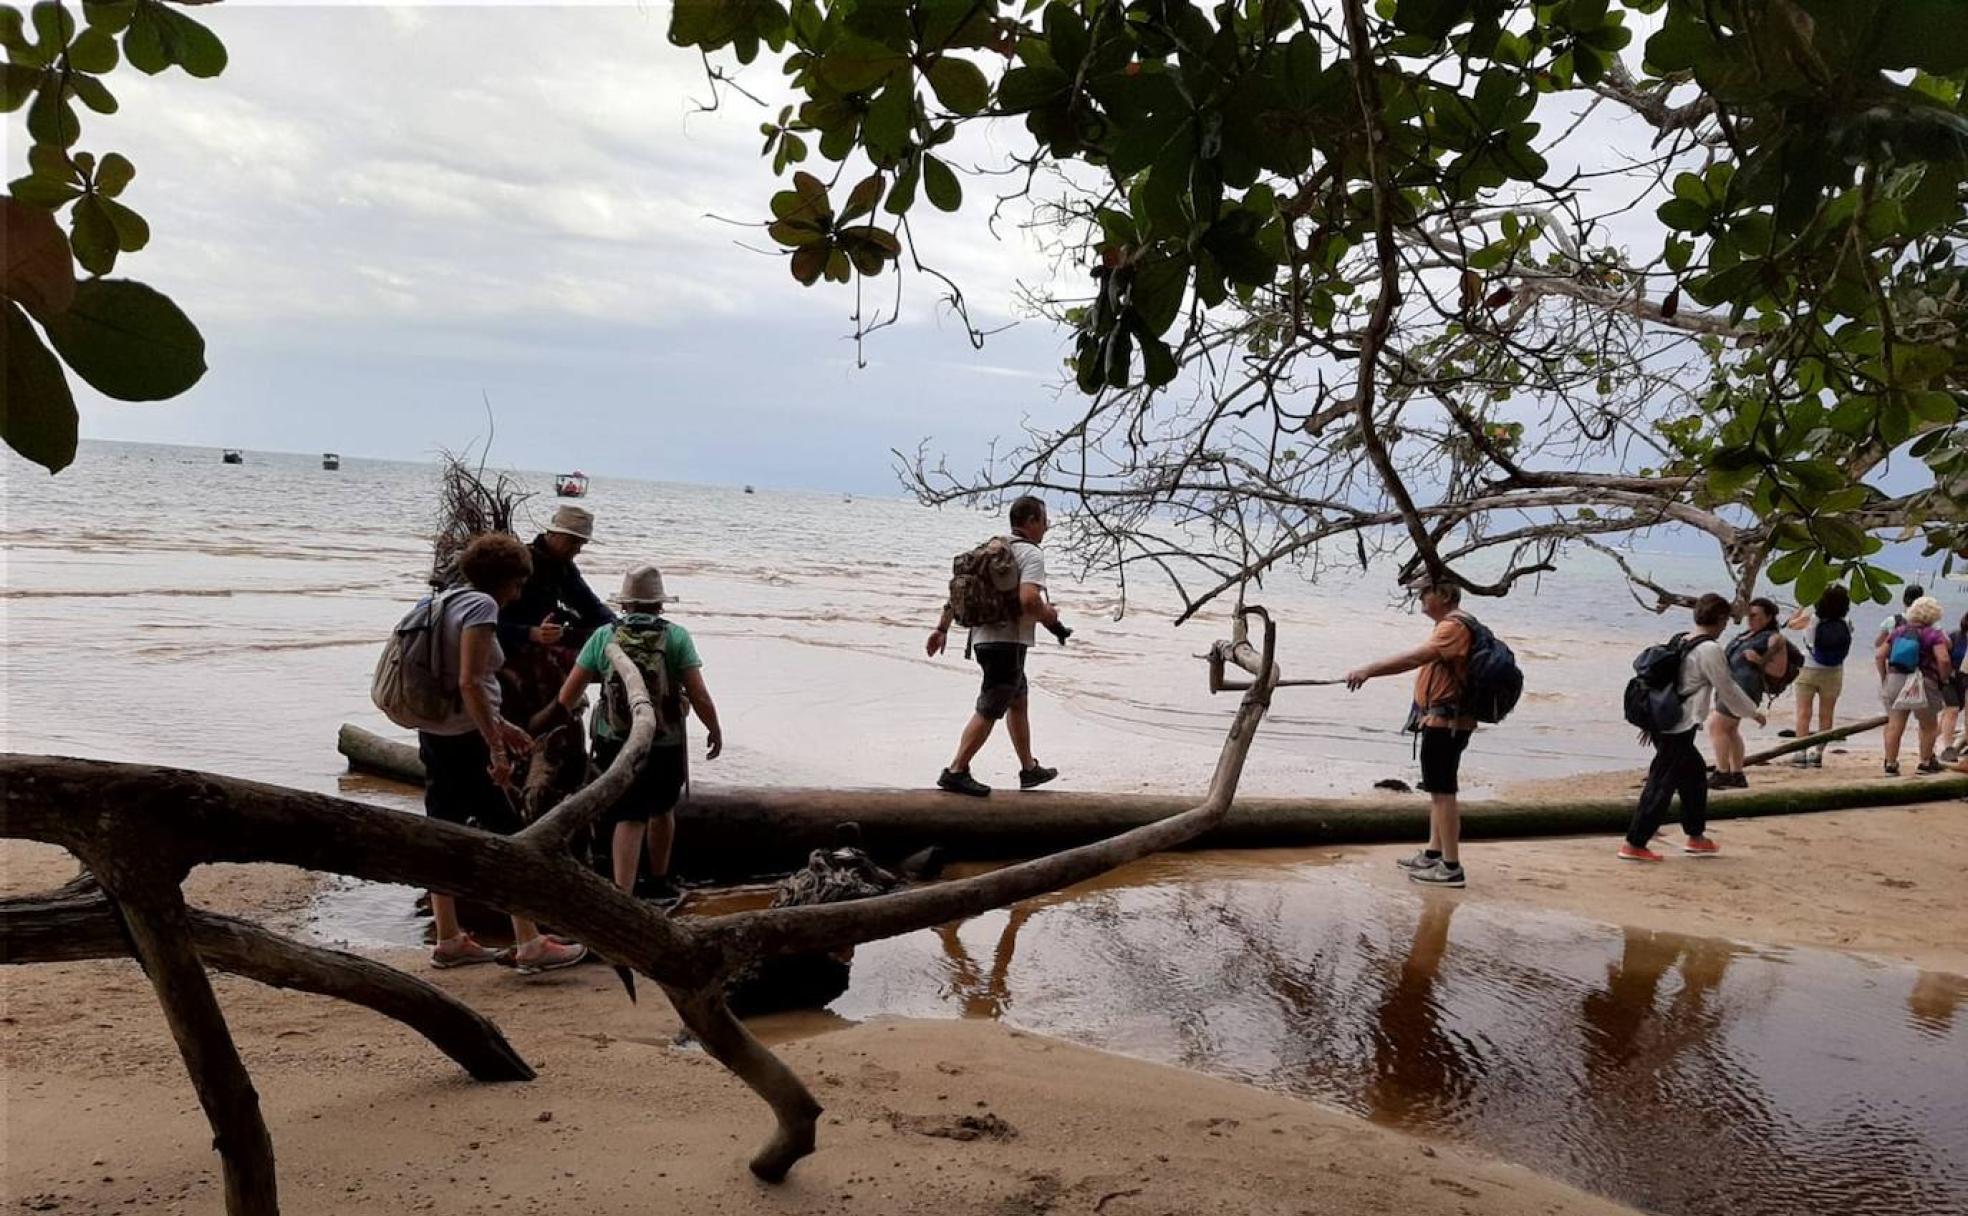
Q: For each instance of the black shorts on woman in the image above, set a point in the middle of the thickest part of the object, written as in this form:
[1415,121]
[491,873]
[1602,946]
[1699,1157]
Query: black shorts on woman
[656,789]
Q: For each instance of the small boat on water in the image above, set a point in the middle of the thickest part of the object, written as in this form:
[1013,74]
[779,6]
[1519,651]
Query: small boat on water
[231,456]
[572,485]
[750,490]
[330,461]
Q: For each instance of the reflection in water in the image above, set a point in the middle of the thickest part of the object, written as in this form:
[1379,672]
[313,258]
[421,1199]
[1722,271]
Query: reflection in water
[1679,1074]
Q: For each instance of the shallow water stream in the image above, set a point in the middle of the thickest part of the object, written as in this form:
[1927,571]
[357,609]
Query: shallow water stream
[1683,1075]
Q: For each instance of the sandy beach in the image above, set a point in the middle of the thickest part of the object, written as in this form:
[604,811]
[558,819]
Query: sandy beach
[944,1116]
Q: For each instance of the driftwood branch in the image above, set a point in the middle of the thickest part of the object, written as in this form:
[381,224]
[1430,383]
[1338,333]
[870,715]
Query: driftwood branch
[146,827]
[1829,736]
[77,922]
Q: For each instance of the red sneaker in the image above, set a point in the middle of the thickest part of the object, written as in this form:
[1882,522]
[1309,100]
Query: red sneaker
[1700,846]
[1629,853]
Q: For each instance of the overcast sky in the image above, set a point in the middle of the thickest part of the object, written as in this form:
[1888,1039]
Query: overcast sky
[377,213]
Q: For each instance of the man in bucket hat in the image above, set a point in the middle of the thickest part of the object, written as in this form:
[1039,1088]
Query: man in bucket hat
[667,658]
[557,605]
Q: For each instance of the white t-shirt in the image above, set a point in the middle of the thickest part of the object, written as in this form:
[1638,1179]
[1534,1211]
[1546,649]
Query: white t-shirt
[1031,569]
[460,611]
[1887,626]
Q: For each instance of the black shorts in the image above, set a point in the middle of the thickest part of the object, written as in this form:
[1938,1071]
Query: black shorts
[657,788]
[1441,758]
[1004,676]
[458,785]
[1951,692]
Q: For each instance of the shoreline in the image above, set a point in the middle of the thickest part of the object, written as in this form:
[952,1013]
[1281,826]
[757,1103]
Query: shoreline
[365,1116]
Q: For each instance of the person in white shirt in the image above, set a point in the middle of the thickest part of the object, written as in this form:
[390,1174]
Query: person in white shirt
[1677,766]
[1000,651]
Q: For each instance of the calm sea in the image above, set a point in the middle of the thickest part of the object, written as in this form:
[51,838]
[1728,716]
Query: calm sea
[162,606]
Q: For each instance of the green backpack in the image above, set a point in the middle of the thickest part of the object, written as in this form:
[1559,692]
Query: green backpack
[645,641]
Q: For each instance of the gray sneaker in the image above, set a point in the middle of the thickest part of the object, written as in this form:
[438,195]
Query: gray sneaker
[1420,859]
[1817,757]
[1801,760]
[1950,755]
[1437,874]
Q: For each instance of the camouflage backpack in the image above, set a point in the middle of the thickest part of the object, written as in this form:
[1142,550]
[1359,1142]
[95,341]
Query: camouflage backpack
[984,585]
[644,640]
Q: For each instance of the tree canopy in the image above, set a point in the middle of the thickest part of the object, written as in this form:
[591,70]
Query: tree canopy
[1332,297]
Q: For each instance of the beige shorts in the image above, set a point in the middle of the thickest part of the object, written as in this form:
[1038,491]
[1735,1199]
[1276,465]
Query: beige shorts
[1824,681]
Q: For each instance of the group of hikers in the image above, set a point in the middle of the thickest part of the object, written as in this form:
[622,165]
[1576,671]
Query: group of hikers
[509,596]
[1692,682]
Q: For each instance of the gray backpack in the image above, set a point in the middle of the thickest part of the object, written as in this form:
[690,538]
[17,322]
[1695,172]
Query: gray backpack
[409,684]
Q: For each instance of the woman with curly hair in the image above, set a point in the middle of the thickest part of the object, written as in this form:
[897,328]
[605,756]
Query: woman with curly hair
[469,756]
[1913,663]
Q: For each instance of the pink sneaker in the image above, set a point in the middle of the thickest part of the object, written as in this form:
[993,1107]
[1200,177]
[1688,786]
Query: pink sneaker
[1700,846]
[461,951]
[1628,853]
[546,954]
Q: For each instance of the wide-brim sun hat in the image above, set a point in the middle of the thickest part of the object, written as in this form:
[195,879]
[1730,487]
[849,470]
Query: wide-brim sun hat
[644,585]
[577,522]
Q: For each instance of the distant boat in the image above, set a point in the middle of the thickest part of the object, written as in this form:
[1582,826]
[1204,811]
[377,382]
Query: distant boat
[231,456]
[750,490]
[330,461]
[572,485]
[847,498]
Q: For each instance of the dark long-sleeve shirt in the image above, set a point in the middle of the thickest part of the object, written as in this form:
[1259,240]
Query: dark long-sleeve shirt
[553,585]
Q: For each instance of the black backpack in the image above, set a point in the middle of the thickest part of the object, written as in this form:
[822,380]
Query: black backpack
[1493,682]
[1653,696]
[1831,642]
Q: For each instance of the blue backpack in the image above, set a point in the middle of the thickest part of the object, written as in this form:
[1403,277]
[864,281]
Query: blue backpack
[1903,652]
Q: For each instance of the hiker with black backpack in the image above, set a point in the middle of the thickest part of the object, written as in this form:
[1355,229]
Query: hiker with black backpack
[998,592]
[1668,699]
[666,657]
[1827,640]
[1464,675]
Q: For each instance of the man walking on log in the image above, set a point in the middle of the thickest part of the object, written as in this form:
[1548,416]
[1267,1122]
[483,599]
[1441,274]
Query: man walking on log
[1000,651]
[1677,766]
[555,589]
[1443,663]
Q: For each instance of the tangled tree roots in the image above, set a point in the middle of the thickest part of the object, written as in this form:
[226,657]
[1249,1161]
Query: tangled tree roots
[139,830]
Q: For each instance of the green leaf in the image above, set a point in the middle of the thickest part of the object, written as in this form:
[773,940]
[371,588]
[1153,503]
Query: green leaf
[187,43]
[940,184]
[810,261]
[50,119]
[93,234]
[1789,566]
[1933,406]
[43,192]
[38,272]
[1028,88]
[856,65]
[1157,361]
[128,341]
[960,85]
[143,42]
[1065,36]
[1159,283]
[1683,214]
[37,412]
[794,234]
[113,174]
[93,51]
[17,83]
[862,199]
[904,194]
[1430,18]
[1854,416]
[1812,580]
[885,132]
[93,93]
[1840,537]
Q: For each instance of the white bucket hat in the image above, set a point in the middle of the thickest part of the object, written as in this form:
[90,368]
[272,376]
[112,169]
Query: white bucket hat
[577,522]
[643,585]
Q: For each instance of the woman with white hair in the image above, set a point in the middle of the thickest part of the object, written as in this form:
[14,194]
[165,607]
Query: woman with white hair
[1913,663]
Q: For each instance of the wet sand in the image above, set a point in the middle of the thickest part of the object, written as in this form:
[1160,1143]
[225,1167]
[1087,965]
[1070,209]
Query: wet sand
[365,1117]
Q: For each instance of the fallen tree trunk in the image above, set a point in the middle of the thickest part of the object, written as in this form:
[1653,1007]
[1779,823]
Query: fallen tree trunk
[744,831]
[77,922]
[1830,736]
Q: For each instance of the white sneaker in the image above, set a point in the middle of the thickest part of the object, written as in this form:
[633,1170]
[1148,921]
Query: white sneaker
[1416,862]
[1437,874]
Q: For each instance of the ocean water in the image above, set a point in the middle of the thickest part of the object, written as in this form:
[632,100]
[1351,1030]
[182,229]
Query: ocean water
[161,606]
